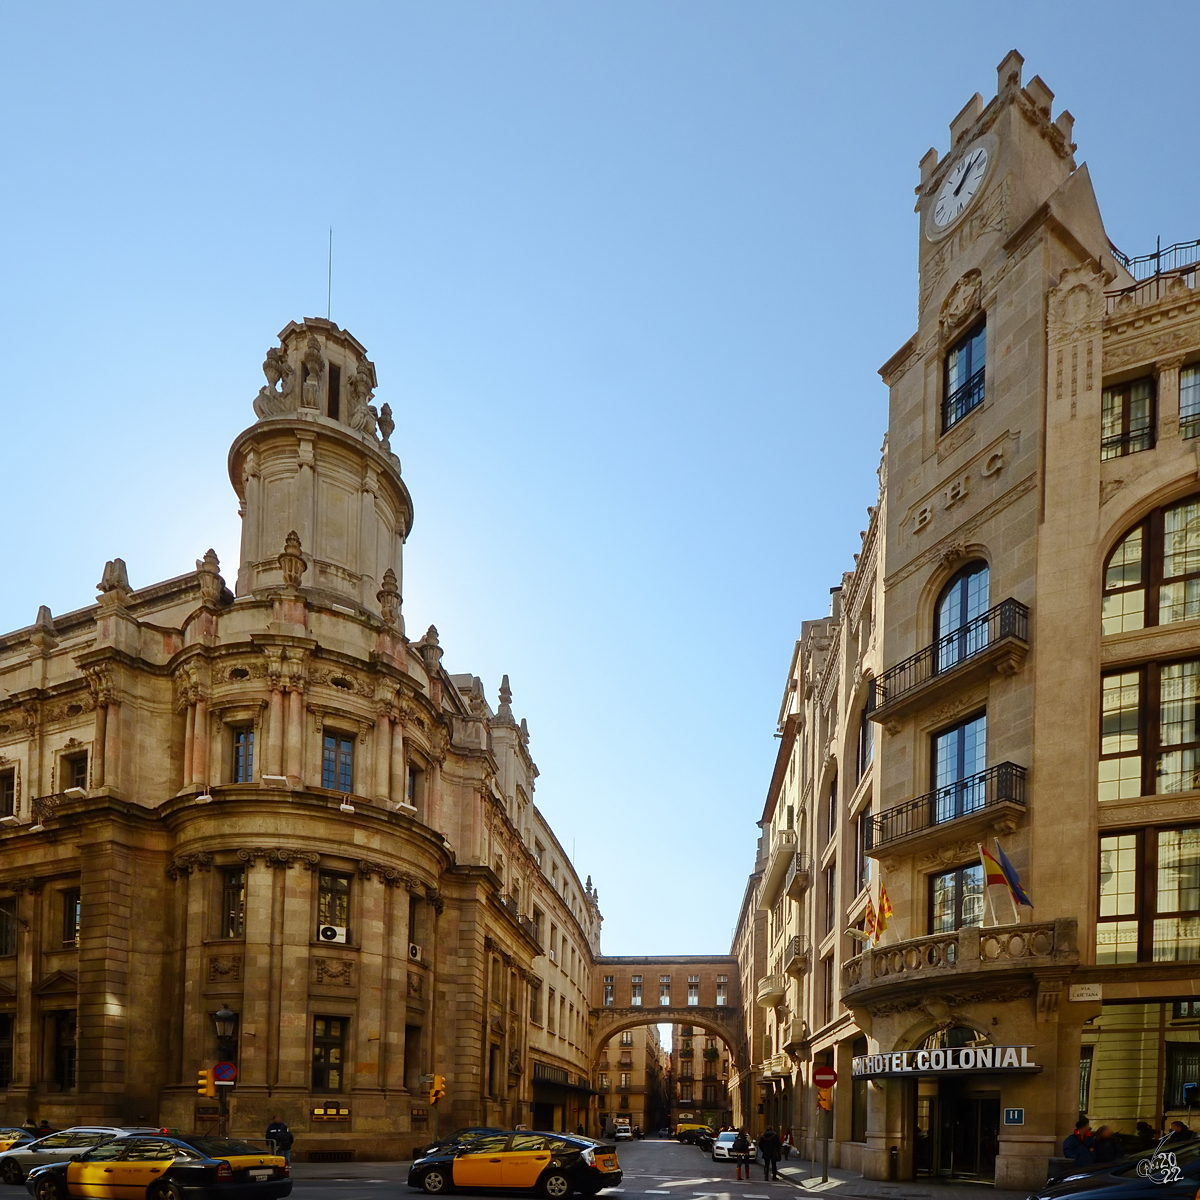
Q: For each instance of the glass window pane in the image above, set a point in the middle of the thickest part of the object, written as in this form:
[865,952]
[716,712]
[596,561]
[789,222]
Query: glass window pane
[1111,412]
[1189,393]
[1120,778]
[1125,611]
[1179,870]
[1179,769]
[1116,942]
[1125,564]
[1181,539]
[1118,875]
[972,895]
[1177,939]
[1119,713]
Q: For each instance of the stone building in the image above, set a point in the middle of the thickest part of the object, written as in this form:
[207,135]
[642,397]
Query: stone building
[699,1077]
[631,1080]
[268,798]
[1033,685]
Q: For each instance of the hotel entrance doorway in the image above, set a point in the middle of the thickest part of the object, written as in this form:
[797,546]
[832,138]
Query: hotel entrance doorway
[957,1128]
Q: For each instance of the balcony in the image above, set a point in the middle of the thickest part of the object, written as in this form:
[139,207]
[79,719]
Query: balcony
[961,956]
[770,991]
[799,875]
[795,956]
[783,854]
[996,641]
[795,1038]
[993,799]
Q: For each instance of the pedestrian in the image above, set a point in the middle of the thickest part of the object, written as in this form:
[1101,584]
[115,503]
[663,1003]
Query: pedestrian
[1077,1146]
[30,1124]
[741,1153]
[787,1143]
[1145,1135]
[769,1144]
[1107,1146]
[44,1127]
[1179,1133]
[282,1136]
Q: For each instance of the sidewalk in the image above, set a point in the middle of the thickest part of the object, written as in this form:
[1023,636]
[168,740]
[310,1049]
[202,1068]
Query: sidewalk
[849,1185]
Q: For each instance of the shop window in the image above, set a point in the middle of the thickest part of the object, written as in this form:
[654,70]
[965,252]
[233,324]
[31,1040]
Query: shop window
[956,899]
[243,755]
[1149,897]
[329,1053]
[70,918]
[63,1034]
[1127,419]
[233,902]
[337,762]
[964,384]
[1183,1067]
[1189,402]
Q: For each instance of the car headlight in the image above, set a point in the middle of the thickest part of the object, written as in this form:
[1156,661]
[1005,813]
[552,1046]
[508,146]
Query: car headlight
[589,1156]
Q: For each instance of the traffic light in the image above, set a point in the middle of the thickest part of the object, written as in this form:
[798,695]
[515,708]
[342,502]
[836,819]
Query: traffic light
[204,1084]
[437,1089]
[825,1098]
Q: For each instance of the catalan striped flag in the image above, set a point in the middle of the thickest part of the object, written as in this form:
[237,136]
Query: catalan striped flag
[869,922]
[885,911]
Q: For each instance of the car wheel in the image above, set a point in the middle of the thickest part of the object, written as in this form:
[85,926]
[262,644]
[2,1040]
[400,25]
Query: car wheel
[165,1190]
[434,1182]
[556,1186]
[49,1187]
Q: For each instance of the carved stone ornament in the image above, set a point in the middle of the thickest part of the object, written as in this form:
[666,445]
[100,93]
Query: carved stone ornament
[1075,308]
[224,968]
[388,875]
[115,577]
[281,858]
[291,561]
[22,884]
[435,898]
[416,985]
[389,598]
[961,302]
[386,426]
[360,388]
[185,864]
[208,575]
[279,395]
[334,970]
[314,372]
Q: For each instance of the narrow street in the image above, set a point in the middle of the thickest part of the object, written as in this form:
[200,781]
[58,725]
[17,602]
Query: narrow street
[652,1168]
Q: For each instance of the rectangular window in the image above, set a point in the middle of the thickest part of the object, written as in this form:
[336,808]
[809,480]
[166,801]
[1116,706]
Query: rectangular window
[243,755]
[1127,418]
[563,1028]
[635,992]
[862,847]
[609,996]
[693,993]
[623,1078]
[70,918]
[75,771]
[627,1037]
[831,811]
[722,990]
[1086,1054]
[8,792]
[827,989]
[664,991]
[551,1010]
[1185,1009]
[956,899]
[1189,402]
[686,1068]
[8,925]
[535,1003]
[866,734]
[1183,1066]
[964,390]
[63,1031]
[602,1083]
[329,1053]
[1117,927]
[686,1091]
[6,1049]
[1179,591]
[333,900]
[415,787]
[959,763]
[1177,917]
[1179,727]
[1120,773]
[831,904]
[337,762]
[335,392]
[233,902]
[858,1097]
[1125,585]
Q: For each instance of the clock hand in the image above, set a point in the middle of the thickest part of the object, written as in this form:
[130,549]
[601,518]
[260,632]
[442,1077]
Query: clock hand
[967,168]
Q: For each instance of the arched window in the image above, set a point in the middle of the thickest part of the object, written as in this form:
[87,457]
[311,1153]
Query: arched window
[957,632]
[1152,577]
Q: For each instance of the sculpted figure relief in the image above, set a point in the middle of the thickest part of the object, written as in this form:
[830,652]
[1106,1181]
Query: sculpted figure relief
[278,394]
[361,386]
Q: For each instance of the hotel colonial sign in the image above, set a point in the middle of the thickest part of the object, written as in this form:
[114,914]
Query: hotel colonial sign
[949,1061]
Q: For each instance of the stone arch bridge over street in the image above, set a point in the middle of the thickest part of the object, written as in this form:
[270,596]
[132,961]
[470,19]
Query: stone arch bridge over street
[701,990]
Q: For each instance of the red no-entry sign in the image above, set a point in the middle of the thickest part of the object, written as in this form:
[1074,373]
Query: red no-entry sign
[824,1077]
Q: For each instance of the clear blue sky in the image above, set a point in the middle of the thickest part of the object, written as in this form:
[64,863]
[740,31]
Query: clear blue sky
[627,270]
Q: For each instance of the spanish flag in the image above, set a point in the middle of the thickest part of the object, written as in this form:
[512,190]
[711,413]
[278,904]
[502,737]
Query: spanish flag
[995,883]
[1019,894]
[885,911]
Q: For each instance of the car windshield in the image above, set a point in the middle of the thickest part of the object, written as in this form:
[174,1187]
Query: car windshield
[222,1147]
[726,1136]
[1186,1154]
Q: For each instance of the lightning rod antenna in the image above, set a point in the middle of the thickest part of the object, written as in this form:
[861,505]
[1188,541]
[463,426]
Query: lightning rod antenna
[329,280]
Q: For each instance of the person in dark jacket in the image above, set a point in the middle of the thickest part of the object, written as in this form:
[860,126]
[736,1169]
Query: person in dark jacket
[282,1136]
[1106,1148]
[1179,1133]
[770,1146]
[1077,1146]
[741,1153]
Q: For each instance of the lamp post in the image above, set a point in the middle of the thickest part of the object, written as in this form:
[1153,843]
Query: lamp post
[225,1021]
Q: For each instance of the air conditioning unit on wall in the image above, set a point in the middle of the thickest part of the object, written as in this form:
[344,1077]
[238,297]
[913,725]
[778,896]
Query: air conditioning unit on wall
[332,933]
[414,952]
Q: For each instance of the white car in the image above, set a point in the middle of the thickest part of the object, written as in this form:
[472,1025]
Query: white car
[622,1133]
[723,1146]
[16,1163]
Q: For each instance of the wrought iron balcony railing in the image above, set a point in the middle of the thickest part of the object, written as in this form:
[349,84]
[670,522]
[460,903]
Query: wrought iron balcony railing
[795,955]
[963,399]
[799,875]
[1008,619]
[1001,784]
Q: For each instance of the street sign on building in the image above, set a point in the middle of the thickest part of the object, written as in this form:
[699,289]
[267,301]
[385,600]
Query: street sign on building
[824,1077]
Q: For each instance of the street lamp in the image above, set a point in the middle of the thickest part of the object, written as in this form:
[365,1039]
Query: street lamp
[225,1021]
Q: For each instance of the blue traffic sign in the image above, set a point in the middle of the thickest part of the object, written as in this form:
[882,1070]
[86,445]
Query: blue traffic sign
[1014,1116]
[224,1072]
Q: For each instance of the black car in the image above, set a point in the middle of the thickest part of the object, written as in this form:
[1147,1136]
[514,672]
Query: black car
[1169,1172]
[166,1168]
[554,1164]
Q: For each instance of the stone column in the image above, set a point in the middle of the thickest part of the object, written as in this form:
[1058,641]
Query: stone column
[274,760]
[1168,396]
[98,738]
[433,800]
[294,749]
[257,1032]
[399,779]
[200,743]
[110,759]
[189,743]
[383,753]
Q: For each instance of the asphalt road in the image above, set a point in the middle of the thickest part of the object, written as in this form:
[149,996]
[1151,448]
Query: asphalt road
[654,1169]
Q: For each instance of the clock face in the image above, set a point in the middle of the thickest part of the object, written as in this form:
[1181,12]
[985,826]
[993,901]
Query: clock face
[961,186]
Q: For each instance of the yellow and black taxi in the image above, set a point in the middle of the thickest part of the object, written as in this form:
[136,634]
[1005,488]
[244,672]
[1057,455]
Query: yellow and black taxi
[166,1168]
[553,1164]
[11,1136]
